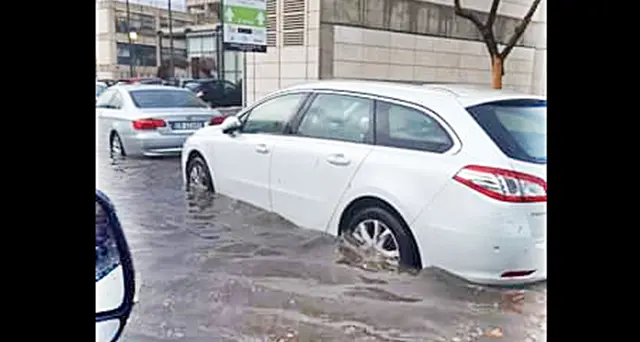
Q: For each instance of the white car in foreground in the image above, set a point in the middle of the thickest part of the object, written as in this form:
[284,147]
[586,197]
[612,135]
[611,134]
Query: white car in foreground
[442,176]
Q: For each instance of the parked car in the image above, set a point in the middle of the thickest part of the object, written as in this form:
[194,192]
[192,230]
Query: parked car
[217,93]
[150,120]
[149,80]
[100,88]
[116,289]
[108,82]
[442,176]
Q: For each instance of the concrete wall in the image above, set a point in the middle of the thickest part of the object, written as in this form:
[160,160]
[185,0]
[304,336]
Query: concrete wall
[283,65]
[382,55]
[423,41]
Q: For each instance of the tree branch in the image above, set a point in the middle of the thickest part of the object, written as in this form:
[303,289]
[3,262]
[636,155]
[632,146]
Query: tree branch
[519,30]
[485,31]
[492,13]
[465,13]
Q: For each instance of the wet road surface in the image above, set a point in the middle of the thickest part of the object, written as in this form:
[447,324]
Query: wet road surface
[214,269]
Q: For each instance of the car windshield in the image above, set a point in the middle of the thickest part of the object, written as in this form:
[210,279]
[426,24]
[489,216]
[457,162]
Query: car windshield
[100,88]
[165,98]
[518,127]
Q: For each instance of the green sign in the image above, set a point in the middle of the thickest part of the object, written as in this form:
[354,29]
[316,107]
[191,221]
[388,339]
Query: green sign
[244,23]
[245,16]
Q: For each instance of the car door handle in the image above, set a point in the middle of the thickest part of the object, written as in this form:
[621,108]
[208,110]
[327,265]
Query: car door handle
[262,148]
[338,159]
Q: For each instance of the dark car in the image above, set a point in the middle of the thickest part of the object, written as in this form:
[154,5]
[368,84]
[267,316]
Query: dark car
[217,93]
[108,82]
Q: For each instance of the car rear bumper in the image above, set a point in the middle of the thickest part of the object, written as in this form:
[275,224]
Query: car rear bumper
[481,239]
[155,144]
[493,260]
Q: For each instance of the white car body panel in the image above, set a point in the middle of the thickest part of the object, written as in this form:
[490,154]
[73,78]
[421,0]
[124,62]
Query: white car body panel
[455,228]
[242,171]
[295,165]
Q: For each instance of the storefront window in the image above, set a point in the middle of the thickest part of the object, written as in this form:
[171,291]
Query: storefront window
[179,57]
[206,47]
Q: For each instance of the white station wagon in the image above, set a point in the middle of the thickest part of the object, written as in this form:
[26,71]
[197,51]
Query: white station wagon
[443,176]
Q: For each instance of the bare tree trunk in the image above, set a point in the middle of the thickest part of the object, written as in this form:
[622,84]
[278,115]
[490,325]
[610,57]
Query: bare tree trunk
[496,72]
[486,30]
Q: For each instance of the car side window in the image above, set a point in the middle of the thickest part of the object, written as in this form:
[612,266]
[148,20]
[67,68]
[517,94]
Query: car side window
[338,117]
[273,115]
[405,127]
[105,99]
[116,101]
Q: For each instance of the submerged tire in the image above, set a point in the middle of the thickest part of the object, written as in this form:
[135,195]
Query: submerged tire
[116,148]
[377,228]
[198,175]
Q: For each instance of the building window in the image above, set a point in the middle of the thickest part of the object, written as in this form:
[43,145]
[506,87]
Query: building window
[141,23]
[179,57]
[143,55]
[205,47]
[202,46]
[164,23]
[121,22]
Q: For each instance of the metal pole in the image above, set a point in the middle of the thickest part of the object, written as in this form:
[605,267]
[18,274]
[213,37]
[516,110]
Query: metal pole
[222,60]
[131,61]
[171,68]
[160,46]
[244,79]
[219,53]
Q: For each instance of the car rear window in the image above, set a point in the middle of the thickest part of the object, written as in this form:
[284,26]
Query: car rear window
[166,99]
[518,127]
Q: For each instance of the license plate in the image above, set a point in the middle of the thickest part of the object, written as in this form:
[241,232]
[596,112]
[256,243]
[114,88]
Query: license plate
[186,126]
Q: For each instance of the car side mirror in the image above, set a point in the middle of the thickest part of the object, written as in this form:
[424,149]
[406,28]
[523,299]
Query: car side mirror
[115,279]
[230,124]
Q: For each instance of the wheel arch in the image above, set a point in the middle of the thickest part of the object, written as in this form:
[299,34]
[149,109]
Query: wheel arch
[371,200]
[192,153]
[113,132]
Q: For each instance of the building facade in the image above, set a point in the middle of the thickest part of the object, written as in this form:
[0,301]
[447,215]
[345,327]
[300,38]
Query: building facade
[205,11]
[395,40]
[114,54]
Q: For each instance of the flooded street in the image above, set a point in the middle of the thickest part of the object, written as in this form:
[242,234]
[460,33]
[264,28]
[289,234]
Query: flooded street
[214,269]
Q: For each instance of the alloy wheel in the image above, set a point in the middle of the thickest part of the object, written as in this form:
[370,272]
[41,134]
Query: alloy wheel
[372,234]
[116,146]
[198,178]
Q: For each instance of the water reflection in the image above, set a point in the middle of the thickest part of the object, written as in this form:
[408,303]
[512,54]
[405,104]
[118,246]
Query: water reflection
[213,268]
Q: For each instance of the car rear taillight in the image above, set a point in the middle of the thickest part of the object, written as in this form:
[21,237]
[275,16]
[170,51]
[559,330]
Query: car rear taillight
[144,124]
[216,120]
[503,185]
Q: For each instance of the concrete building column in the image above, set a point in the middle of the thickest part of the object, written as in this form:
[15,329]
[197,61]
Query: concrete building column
[158,26]
[106,48]
[539,76]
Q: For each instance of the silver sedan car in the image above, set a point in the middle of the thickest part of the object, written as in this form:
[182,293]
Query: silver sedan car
[150,120]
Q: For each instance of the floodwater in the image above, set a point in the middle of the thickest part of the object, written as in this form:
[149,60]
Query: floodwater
[214,269]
